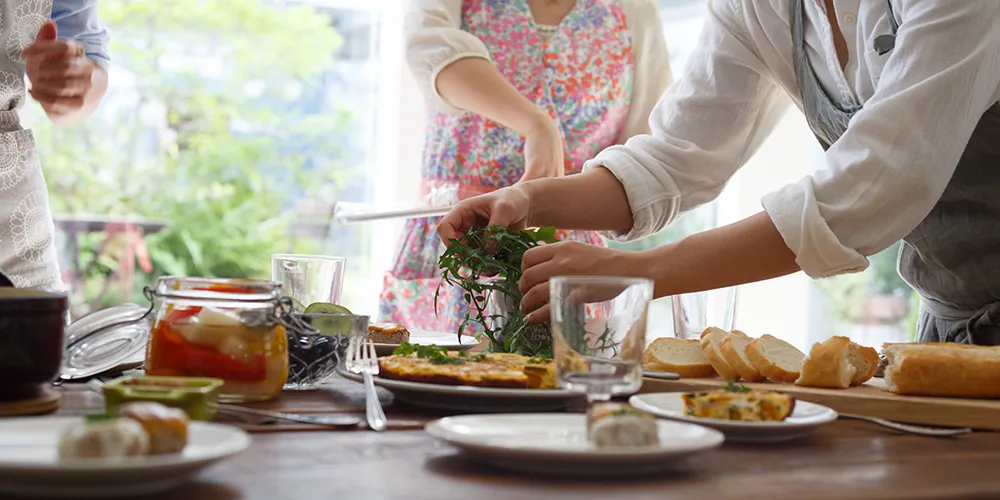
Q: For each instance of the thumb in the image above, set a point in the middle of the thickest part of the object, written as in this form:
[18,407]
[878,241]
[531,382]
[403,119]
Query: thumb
[47,33]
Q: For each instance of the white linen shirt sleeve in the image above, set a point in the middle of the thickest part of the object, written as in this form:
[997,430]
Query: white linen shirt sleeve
[435,39]
[651,63]
[889,169]
[704,128]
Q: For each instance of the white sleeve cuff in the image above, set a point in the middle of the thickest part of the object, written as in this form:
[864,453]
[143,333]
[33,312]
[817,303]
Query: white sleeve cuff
[653,205]
[818,251]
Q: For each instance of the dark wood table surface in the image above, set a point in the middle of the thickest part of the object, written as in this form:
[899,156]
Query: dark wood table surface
[844,460]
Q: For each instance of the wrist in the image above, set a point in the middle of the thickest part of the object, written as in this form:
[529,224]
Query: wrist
[659,264]
[538,120]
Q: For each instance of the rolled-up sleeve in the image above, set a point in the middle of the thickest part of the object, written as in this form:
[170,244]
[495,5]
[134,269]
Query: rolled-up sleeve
[889,169]
[703,129]
[434,39]
[78,20]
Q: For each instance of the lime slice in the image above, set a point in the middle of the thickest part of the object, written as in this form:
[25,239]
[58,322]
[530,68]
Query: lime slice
[298,306]
[326,308]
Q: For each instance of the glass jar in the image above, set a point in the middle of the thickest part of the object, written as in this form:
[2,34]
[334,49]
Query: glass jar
[220,328]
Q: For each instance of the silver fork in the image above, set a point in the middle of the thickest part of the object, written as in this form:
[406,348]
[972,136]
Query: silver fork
[912,429]
[362,359]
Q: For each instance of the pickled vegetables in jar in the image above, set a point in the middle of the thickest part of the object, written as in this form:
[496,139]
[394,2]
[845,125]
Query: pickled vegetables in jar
[217,328]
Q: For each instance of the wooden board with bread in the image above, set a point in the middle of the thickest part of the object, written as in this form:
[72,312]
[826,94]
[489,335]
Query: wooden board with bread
[931,384]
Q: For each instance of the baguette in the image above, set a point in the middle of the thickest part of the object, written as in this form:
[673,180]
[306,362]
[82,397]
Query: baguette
[710,340]
[828,365]
[734,350]
[775,359]
[949,370]
[680,356]
[865,359]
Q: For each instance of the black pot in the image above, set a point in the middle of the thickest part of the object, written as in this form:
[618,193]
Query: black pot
[31,340]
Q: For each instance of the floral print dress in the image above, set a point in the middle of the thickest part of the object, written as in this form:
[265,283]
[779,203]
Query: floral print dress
[581,74]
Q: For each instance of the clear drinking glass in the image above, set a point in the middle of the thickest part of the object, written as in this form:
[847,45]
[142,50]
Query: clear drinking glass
[599,333]
[309,278]
[694,312]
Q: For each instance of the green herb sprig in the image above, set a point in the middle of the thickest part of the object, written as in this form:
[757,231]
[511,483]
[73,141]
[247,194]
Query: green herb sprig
[495,252]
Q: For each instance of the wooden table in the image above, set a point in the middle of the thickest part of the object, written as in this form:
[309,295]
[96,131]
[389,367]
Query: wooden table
[844,460]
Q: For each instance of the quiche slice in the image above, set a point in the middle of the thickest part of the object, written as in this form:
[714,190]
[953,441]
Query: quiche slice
[478,370]
[740,404]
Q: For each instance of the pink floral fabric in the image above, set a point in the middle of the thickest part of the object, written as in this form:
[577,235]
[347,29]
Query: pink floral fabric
[582,76]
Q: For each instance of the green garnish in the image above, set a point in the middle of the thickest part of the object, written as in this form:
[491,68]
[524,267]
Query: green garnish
[99,417]
[539,360]
[436,355]
[478,357]
[732,386]
[404,349]
[495,251]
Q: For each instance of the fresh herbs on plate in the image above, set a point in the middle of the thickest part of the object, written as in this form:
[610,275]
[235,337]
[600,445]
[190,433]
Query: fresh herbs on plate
[486,264]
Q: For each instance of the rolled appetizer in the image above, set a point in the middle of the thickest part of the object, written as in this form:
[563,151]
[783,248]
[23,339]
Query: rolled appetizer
[614,425]
[167,427]
[105,437]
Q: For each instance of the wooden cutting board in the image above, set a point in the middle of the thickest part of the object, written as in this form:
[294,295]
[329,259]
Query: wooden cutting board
[868,400]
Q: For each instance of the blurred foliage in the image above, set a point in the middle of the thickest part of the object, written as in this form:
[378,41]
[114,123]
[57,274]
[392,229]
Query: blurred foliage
[218,118]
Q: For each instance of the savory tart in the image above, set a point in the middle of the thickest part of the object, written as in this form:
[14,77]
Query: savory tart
[735,402]
[434,365]
[388,334]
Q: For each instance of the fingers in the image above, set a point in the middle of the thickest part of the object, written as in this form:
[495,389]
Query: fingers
[503,213]
[55,103]
[47,33]
[54,50]
[540,316]
[537,255]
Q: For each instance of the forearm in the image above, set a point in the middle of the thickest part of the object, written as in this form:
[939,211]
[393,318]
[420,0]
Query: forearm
[747,251]
[593,200]
[474,84]
[92,99]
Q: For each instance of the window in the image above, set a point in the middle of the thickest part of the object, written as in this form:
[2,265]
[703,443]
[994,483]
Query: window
[223,139]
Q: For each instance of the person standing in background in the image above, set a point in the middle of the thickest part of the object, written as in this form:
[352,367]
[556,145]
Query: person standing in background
[518,90]
[63,50]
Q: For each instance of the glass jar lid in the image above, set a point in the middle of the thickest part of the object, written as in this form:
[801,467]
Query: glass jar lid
[105,341]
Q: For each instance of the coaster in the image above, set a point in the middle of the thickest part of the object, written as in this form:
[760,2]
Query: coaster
[47,401]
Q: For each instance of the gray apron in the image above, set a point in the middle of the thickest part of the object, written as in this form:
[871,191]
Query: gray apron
[27,246]
[952,258]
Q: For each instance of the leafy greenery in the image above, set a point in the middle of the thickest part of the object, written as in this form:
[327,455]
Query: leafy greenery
[436,355]
[486,264]
[217,120]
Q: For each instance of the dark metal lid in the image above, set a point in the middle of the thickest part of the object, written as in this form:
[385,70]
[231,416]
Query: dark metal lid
[109,340]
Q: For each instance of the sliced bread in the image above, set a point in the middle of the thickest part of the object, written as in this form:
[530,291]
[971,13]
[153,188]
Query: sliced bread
[734,351]
[775,359]
[828,365]
[711,338]
[680,356]
[949,370]
[865,359]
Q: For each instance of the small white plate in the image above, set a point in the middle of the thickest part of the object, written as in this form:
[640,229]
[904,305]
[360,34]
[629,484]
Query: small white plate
[556,443]
[30,466]
[472,399]
[448,341]
[805,418]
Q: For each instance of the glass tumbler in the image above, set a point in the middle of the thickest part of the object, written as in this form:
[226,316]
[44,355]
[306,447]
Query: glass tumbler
[599,333]
[309,278]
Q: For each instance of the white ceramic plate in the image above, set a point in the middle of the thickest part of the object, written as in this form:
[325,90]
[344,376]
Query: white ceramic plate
[556,443]
[472,399]
[805,417]
[29,464]
[448,341]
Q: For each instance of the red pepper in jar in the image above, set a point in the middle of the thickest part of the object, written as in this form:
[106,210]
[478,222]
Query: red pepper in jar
[202,362]
[179,314]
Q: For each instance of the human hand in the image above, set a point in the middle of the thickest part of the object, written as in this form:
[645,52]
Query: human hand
[543,151]
[570,258]
[508,207]
[59,72]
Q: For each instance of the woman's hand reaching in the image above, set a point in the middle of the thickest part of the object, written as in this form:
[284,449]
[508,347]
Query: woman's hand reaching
[543,150]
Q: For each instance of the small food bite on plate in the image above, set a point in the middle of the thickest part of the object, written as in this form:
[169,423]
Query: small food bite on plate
[105,437]
[166,427]
[736,402]
[683,357]
[616,425]
[388,334]
[838,363]
[435,365]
